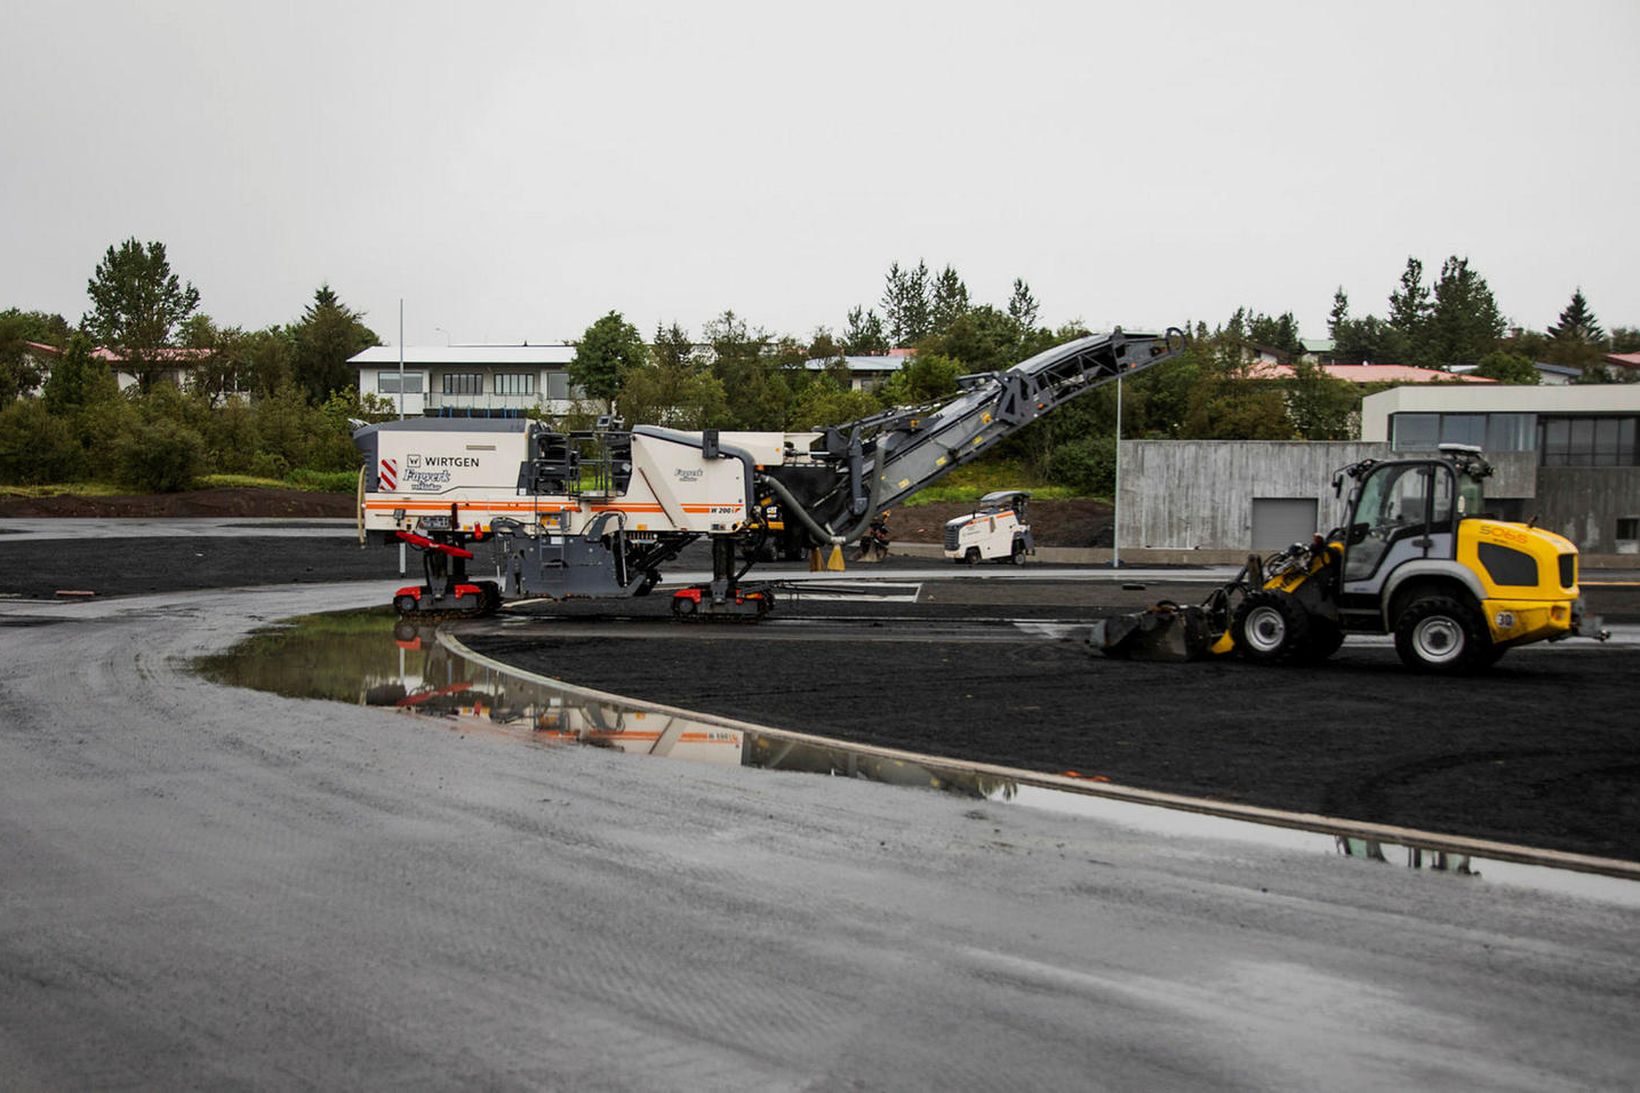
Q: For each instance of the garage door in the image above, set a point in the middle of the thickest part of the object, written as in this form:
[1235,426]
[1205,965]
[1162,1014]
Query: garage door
[1282,521]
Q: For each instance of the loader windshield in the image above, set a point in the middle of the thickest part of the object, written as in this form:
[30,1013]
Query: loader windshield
[1397,501]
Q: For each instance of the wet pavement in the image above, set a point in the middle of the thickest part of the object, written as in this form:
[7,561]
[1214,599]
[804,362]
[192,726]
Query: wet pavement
[372,658]
[218,887]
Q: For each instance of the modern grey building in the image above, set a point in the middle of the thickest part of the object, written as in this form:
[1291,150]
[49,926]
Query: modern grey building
[1566,457]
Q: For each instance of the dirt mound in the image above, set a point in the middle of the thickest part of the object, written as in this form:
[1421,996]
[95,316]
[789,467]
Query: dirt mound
[1053,523]
[215,502]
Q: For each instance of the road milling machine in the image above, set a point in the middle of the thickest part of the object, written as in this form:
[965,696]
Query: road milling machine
[596,514]
[1417,557]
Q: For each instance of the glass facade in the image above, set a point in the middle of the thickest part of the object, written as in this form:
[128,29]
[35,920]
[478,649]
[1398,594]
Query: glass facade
[1588,441]
[1491,432]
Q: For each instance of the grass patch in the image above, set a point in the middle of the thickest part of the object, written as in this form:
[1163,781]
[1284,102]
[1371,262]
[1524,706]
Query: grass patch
[975,480]
[65,489]
[299,479]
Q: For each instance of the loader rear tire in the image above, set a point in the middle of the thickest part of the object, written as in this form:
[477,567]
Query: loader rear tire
[1441,634]
[1270,626]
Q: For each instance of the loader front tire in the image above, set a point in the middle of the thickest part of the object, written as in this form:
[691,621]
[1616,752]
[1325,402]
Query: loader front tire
[1270,626]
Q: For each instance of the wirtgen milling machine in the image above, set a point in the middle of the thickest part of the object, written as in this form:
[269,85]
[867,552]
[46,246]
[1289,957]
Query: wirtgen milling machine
[596,514]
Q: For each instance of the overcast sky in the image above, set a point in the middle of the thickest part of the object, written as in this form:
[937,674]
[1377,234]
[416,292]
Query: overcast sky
[515,170]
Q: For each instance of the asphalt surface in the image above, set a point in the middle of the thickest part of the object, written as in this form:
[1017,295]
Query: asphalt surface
[204,886]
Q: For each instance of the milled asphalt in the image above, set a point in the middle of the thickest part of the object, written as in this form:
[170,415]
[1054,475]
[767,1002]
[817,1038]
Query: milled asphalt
[202,886]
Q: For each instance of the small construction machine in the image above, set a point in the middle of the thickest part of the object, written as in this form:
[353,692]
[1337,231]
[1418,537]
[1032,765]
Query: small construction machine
[1416,557]
[997,531]
[597,513]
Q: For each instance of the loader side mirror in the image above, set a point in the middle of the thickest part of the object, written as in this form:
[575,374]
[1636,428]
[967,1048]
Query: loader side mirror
[1358,532]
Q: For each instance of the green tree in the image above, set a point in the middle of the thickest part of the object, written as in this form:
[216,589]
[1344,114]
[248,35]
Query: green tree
[1320,406]
[609,349]
[1339,315]
[950,300]
[1578,340]
[865,335]
[328,334]
[676,389]
[37,446]
[1625,339]
[136,305]
[982,339]
[1507,367]
[906,303]
[21,368]
[1465,324]
[1577,322]
[923,378]
[758,391]
[1022,306]
[1278,332]
[78,379]
[1369,340]
[268,357]
[1410,311]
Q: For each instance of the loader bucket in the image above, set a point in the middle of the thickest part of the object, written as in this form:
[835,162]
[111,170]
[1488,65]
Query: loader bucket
[1166,632]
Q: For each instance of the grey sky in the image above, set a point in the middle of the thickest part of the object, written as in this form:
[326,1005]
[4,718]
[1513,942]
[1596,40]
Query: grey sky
[514,170]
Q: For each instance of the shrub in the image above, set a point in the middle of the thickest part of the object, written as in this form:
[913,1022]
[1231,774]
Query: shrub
[268,465]
[159,457]
[1087,465]
[36,446]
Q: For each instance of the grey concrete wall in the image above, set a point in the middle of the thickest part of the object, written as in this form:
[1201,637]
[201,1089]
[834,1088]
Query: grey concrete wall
[1514,474]
[1198,494]
[1585,503]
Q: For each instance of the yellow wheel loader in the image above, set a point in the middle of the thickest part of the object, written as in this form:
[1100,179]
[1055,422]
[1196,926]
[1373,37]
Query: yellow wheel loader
[1417,558]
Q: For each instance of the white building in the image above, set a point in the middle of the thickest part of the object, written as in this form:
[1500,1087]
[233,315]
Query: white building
[471,380]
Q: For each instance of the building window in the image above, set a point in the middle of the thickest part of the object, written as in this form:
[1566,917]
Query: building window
[1511,432]
[1588,442]
[1628,527]
[558,385]
[387,383]
[463,383]
[1416,431]
[1490,432]
[515,383]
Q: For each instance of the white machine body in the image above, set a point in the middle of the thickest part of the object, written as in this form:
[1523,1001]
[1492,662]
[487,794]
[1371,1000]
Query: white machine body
[996,531]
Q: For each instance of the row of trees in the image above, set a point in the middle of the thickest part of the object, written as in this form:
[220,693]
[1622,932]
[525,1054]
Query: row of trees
[293,390]
[739,377]
[297,386]
[1456,321]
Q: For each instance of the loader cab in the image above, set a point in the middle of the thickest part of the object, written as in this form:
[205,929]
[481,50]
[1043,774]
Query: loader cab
[1408,509]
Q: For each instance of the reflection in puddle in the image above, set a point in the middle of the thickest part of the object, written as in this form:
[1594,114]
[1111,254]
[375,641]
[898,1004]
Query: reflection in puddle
[370,658]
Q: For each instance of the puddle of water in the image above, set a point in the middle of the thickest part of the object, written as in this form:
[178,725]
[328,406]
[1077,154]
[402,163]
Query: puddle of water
[371,658]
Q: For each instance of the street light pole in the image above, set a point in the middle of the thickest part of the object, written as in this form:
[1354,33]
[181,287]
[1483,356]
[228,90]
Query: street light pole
[402,559]
[1116,490]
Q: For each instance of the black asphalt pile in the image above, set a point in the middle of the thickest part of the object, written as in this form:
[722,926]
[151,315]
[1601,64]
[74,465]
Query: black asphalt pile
[1542,750]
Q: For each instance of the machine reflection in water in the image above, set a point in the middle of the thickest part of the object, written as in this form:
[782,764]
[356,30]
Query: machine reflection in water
[370,658]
